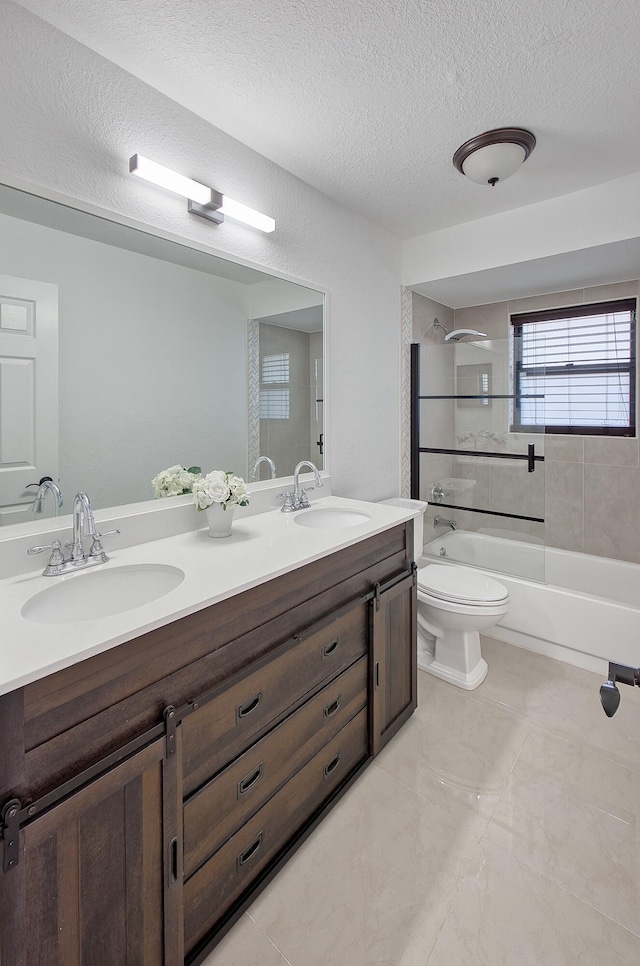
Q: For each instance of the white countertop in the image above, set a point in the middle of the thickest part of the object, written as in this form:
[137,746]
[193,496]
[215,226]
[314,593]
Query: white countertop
[261,547]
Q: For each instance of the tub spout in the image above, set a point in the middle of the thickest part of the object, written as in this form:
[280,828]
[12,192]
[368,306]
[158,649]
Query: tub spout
[441,522]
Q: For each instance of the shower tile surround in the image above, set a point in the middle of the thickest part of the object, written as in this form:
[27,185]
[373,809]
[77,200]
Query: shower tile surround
[499,826]
[288,440]
[592,484]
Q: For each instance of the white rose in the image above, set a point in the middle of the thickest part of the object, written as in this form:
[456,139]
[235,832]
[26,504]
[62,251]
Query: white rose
[217,476]
[219,491]
[211,488]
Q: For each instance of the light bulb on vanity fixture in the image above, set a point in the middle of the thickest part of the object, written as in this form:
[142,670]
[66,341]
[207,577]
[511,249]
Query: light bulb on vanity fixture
[495,155]
[201,199]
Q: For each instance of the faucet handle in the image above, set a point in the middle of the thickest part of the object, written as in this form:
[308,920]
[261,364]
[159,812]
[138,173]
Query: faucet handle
[54,547]
[96,546]
[289,503]
[56,560]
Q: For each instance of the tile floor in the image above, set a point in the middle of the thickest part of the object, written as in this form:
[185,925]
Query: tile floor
[500,827]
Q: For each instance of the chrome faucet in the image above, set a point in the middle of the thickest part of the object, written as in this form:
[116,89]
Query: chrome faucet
[83,525]
[441,522]
[297,498]
[46,483]
[263,459]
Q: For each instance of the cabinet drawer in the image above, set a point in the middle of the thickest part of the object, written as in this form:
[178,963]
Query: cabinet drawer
[224,727]
[213,813]
[210,892]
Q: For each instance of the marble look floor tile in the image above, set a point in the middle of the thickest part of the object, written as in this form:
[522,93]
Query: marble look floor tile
[245,945]
[454,752]
[505,914]
[373,884]
[561,699]
[575,818]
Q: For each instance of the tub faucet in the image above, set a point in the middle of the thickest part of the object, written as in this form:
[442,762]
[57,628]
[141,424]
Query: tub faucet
[441,522]
[269,462]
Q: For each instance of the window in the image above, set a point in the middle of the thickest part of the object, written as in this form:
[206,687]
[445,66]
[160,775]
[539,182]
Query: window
[275,368]
[274,403]
[575,370]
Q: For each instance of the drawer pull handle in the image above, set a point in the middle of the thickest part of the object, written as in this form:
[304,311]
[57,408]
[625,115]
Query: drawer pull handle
[249,852]
[173,846]
[330,648]
[246,783]
[331,709]
[331,766]
[249,706]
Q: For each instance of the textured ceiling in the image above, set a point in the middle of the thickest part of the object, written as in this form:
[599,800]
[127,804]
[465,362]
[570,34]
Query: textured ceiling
[367,100]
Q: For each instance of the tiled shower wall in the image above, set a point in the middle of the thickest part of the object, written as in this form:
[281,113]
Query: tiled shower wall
[591,484]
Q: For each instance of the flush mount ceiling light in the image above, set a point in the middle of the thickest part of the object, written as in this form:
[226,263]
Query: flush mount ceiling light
[202,200]
[495,155]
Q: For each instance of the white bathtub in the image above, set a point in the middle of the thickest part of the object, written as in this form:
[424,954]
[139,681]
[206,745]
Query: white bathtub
[582,609]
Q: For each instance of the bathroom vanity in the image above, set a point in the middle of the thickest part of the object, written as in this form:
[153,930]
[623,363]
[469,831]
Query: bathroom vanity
[151,790]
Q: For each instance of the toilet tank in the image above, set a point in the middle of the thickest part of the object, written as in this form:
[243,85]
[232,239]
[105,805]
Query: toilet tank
[418,506]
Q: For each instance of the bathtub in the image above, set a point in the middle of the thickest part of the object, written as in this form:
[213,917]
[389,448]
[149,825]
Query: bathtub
[582,609]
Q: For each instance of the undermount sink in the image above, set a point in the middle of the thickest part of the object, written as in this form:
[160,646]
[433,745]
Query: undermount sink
[331,518]
[91,595]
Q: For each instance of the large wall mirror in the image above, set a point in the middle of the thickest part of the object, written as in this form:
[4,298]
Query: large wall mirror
[123,353]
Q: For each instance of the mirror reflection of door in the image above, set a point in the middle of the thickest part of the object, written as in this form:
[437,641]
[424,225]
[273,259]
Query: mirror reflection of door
[28,393]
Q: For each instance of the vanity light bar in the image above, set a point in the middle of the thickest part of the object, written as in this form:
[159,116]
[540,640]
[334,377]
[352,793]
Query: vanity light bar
[248,216]
[165,178]
[203,201]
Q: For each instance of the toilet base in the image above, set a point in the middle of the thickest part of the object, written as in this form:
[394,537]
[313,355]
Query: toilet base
[469,680]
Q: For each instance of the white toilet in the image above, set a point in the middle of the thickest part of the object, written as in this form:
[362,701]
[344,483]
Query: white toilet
[454,605]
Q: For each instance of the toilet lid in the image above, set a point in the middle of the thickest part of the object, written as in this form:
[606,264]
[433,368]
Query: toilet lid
[459,584]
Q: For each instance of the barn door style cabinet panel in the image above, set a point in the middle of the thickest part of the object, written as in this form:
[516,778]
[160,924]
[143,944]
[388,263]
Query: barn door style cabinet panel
[149,793]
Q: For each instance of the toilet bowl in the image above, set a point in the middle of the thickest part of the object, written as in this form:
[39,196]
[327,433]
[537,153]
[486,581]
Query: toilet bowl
[454,605]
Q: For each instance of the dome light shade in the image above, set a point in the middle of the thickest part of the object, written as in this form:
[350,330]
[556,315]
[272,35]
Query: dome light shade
[495,155]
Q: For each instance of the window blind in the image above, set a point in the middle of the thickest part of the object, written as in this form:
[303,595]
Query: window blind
[275,368]
[274,404]
[574,369]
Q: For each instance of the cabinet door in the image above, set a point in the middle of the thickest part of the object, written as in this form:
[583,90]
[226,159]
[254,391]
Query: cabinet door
[93,875]
[394,670]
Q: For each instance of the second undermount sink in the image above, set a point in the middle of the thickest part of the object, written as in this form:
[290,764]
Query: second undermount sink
[331,518]
[101,593]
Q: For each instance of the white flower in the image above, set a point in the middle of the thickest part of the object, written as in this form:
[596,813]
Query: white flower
[219,491]
[238,489]
[174,481]
[217,476]
[220,487]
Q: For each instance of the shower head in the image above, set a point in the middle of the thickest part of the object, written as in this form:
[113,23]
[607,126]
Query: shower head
[458,334]
[437,324]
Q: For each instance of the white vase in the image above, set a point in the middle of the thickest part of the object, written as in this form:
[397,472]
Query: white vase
[219,520]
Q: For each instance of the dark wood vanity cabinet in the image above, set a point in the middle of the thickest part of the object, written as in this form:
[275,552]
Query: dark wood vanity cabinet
[150,792]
